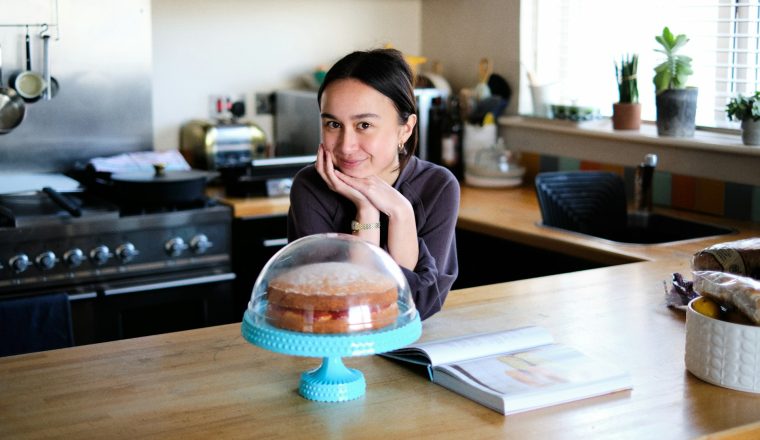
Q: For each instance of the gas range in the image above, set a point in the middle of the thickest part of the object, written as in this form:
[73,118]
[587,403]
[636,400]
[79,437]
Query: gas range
[43,247]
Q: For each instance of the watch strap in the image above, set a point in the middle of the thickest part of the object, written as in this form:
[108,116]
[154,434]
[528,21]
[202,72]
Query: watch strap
[356,226]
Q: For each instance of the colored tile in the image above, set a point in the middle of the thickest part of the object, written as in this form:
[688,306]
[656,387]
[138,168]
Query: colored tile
[662,192]
[549,163]
[569,164]
[708,196]
[532,163]
[590,166]
[738,201]
[682,191]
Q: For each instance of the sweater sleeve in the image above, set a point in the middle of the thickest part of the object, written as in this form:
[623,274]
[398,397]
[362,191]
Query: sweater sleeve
[309,212]
[437,266]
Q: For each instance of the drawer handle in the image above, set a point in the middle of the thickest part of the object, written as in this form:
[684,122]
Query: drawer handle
[275,242]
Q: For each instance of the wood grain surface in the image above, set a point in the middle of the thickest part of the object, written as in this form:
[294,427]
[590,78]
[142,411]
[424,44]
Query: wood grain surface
[211,383]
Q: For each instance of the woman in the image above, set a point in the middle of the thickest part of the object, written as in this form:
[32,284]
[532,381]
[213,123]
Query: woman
[367,181]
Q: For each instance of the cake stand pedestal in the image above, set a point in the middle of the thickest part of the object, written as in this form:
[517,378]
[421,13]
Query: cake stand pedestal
[332,381]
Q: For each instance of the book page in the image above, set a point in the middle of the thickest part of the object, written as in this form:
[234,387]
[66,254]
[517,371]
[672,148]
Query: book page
[474,346]
[534,378]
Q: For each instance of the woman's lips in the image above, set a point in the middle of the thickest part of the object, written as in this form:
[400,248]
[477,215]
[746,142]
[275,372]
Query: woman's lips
[349,164]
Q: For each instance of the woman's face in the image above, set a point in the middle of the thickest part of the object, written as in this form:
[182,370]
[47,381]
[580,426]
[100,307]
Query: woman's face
[361,130]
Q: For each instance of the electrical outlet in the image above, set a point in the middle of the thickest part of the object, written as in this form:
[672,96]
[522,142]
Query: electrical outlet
[219,106]
[263,103]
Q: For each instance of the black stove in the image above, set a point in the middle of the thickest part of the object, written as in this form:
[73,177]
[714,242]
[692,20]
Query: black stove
[126,269]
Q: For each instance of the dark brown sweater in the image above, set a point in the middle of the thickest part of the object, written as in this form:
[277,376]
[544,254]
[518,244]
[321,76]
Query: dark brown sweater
[433,192]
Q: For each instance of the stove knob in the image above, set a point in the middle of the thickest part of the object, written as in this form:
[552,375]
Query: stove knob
[99,255]
[126,252]
[45,260]
[73,257]
[200,244]
[175,247]
[19,263]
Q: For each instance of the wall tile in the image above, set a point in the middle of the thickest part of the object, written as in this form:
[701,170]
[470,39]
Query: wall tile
[682,192]
[708,196]
[738,201]
[662,191]
[569,164]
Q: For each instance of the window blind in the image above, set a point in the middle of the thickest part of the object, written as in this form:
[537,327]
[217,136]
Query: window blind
[573,44]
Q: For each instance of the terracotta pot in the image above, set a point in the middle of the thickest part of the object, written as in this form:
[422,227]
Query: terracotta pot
[626,116]
[750,132]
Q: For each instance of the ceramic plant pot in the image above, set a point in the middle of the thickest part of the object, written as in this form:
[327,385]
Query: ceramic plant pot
[676,112]
[751,132]
[626,116]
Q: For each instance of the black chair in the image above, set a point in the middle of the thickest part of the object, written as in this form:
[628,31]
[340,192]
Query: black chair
[35,323]
[590,202]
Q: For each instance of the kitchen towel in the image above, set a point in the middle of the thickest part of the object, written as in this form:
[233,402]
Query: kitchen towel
[35,323]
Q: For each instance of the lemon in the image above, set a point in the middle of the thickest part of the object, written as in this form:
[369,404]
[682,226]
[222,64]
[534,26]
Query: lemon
[707,307]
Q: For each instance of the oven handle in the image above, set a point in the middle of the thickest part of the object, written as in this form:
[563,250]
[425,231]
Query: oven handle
[275,242]
[81,296]
[170,284]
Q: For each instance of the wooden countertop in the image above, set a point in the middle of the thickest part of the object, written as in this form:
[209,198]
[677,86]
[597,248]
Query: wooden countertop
[211,383]
[514,214]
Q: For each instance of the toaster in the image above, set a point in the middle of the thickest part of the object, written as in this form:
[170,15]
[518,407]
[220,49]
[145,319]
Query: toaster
[211,145]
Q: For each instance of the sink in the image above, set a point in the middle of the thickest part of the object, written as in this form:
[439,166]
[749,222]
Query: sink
[643,228]
[594,203]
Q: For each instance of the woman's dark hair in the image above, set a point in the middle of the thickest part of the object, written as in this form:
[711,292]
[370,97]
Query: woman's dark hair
[386,71]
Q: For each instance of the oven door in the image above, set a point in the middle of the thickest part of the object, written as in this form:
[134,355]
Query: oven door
[152,305]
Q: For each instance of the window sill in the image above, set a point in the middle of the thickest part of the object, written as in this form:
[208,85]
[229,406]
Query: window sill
[708,154]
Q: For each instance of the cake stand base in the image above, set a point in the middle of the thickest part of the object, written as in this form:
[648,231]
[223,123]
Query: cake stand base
[332,382]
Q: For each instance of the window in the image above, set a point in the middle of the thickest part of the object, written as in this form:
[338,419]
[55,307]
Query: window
[573,44]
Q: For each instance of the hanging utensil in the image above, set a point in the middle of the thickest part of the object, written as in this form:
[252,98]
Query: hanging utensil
[485,69]
[12,107]
[28,83]
[51,84]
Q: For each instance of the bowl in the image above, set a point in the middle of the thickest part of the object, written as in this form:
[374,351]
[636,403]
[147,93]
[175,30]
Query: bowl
[721,352]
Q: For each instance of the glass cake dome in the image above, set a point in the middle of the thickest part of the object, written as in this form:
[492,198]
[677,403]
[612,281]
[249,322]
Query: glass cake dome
[331,283]
[331,296]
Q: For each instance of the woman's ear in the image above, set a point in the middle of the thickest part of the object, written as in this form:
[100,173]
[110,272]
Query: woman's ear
[407,128]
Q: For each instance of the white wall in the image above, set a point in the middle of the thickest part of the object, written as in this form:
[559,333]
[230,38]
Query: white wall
[240,47]
[461,32]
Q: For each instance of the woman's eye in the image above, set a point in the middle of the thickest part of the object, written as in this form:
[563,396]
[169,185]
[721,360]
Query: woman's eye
[332,124]
[364,125]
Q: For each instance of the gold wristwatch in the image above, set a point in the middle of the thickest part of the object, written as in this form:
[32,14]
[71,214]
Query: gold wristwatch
[356,226]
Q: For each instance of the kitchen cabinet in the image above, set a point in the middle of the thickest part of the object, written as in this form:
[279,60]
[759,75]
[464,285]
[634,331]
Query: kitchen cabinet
[485,259]
[254,241]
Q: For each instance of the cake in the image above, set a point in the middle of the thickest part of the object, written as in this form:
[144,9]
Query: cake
[334,297]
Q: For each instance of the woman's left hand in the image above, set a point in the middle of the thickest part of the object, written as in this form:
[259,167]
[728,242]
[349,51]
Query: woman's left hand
[379,193]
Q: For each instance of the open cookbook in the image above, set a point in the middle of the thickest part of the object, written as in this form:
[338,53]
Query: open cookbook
[514,370]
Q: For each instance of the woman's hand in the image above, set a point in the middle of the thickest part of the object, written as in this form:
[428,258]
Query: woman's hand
[328,172]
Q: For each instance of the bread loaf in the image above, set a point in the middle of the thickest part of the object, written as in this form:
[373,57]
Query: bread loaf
[727,288]
[741,257]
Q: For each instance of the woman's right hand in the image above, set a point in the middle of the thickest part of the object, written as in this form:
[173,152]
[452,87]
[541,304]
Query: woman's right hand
[326,170]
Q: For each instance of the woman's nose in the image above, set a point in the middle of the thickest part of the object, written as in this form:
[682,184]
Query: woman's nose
[346,141]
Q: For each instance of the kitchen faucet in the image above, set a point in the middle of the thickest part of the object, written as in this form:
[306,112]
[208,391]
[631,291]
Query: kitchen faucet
[642,196]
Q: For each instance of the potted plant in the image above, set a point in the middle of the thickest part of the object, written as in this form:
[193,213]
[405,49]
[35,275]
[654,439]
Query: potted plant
[626,113]
[676,103]
[746,109]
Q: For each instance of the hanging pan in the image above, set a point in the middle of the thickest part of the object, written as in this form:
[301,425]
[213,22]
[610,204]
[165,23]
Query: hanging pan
[51,83]
[12,107]
[28,83]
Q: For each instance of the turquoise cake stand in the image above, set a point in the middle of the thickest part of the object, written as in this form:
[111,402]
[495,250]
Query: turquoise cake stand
[332,381]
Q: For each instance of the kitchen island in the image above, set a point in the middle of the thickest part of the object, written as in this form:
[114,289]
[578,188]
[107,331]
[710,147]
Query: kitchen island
[211,383]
